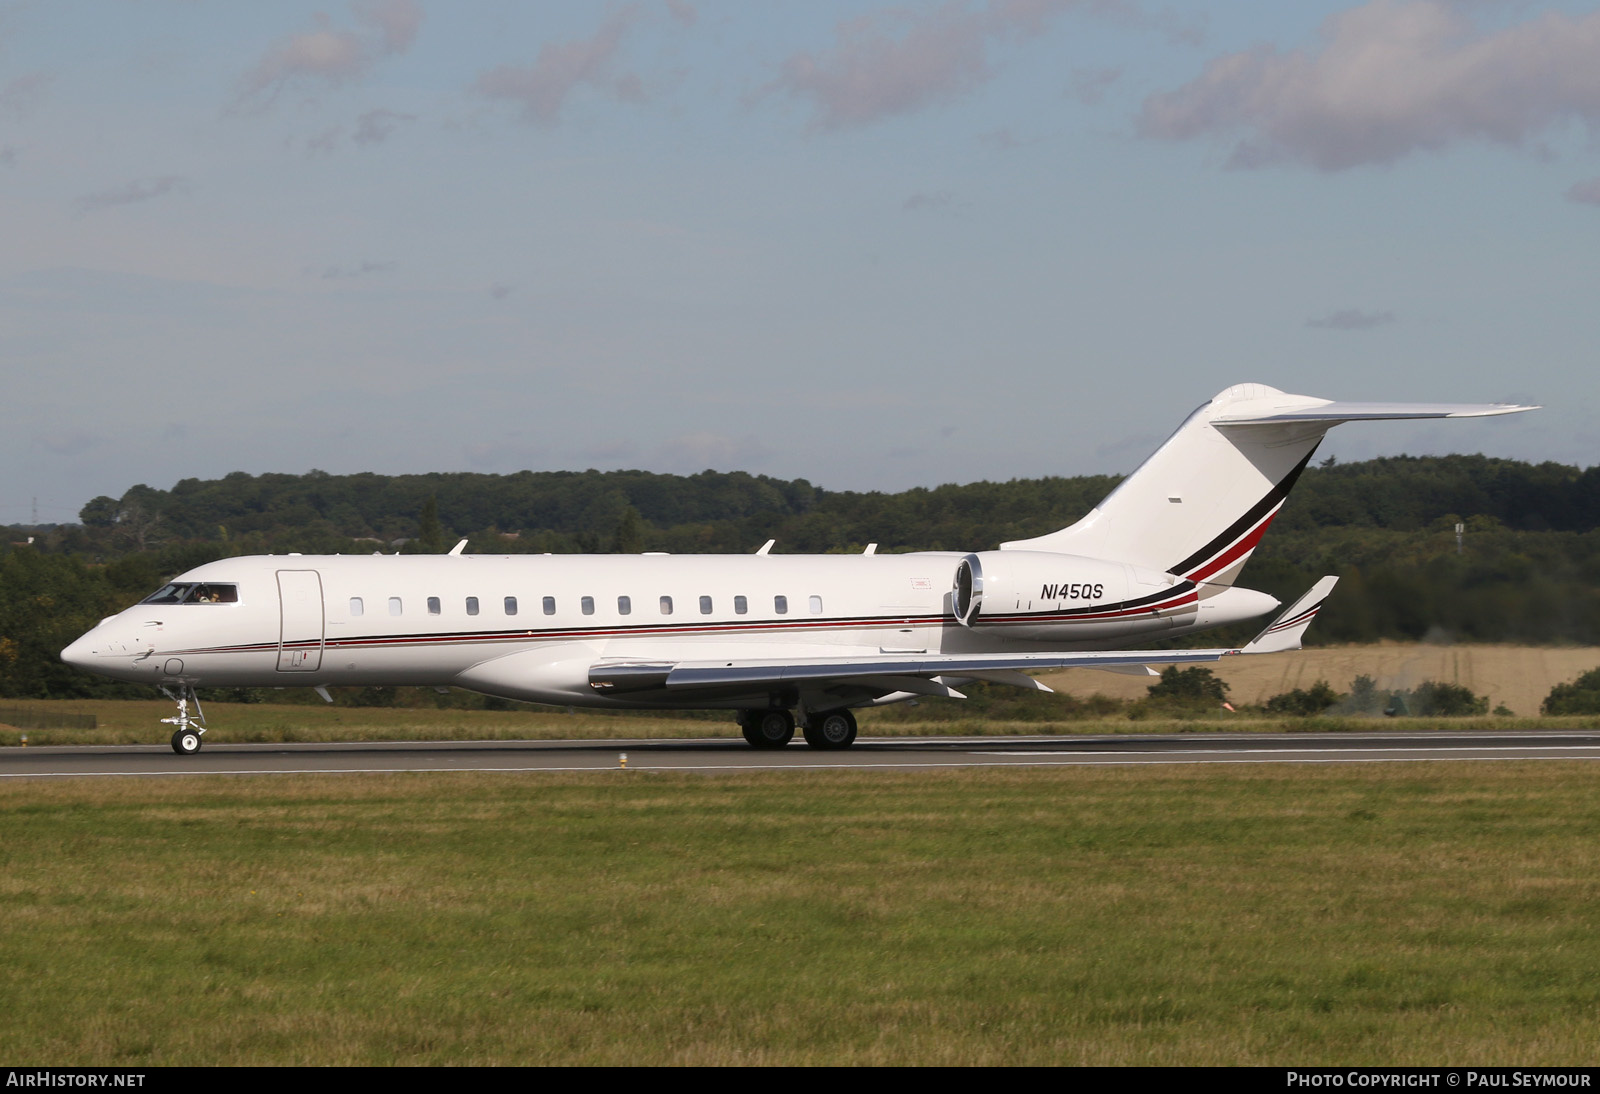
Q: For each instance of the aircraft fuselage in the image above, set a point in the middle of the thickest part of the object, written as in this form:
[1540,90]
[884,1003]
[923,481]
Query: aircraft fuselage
[457,620]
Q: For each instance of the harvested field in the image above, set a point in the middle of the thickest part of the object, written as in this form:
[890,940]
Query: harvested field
[1518,676]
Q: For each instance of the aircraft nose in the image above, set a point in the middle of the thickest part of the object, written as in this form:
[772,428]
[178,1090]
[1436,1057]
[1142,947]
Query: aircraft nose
[81,653]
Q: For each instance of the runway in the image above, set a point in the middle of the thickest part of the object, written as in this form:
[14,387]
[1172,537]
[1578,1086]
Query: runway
[732,754]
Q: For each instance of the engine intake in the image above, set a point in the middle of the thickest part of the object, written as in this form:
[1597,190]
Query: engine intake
[1044,595]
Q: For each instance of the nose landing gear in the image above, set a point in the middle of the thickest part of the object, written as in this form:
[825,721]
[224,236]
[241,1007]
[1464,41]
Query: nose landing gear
[186,738]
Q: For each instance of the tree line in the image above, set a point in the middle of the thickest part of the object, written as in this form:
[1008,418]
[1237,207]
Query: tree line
[1526,569]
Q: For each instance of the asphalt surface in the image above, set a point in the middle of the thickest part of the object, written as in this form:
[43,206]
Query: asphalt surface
[912,753]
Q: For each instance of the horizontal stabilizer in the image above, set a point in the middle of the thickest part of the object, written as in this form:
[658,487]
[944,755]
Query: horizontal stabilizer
[1286,631]
[1333,413]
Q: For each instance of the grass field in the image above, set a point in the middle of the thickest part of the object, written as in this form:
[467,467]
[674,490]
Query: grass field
[1426,913]
[139,722]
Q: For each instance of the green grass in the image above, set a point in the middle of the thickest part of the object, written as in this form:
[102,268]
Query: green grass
[139,722]
[1429,913]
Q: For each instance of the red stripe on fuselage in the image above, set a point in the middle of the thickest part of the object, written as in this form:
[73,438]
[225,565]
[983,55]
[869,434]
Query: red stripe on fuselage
[1242,547]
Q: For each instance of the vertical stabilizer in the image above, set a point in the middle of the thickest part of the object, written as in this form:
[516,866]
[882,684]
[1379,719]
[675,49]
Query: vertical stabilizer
[1200,504]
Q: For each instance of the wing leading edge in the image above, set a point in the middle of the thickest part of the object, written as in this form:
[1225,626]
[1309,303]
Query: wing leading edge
[913,673]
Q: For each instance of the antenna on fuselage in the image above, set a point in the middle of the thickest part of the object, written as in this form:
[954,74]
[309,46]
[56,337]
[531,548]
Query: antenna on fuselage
[458,548]
[766,547]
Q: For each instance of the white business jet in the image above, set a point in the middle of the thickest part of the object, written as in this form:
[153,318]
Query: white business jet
[782,639]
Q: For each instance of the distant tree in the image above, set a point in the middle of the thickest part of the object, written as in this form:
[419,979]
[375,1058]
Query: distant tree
[1582,696]
[430,533]
[629,536]
[1364,697]
[101,512]
[139,526]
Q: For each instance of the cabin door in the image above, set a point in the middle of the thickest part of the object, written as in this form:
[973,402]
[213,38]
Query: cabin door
[300,631]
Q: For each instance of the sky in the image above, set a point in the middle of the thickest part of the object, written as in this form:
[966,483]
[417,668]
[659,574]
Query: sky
[874,245]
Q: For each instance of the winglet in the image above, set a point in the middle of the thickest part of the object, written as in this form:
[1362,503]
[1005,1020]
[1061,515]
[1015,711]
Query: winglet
[1289,628]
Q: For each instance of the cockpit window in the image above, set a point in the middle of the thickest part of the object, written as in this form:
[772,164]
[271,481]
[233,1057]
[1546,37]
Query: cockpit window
[189,592]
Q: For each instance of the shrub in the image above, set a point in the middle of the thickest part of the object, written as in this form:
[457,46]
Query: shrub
[1582,696]
[1432,699]
[1189,686]
[1305,702]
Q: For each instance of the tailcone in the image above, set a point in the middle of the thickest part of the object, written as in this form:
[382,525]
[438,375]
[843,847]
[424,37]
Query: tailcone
[1231,604]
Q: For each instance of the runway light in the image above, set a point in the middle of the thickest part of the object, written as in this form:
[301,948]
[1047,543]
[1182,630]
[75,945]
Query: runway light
[622,760]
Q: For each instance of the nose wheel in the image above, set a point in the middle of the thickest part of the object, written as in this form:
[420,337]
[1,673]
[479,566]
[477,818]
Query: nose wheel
[186,738]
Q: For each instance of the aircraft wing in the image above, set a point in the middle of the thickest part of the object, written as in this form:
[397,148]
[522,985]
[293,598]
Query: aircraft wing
[915,673]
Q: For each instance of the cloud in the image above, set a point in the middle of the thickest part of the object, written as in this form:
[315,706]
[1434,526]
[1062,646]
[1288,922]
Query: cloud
[500,291]
[373,127]
[900,61]
[940,201]
[325,142]
[330,56]
[71,443]
[611,452]
[396,20]
[1588,193]
[699,451]
[8,156]
[512,451]
[132,193]
[682,12]
[542,88]
[1089,85]
[341,273]
[23,94]
[1000,140]
[376,126]
[1352,319]
[1389,79]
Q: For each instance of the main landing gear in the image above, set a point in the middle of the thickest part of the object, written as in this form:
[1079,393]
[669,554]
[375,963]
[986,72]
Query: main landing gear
[827,729]
[767,728]
[186,738]
[831,729]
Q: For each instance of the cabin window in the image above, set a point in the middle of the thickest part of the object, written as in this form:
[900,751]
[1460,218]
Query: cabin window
[356,607]
[666,605]
[472,605]
[587,603]
[511,605]
[395,607]
[624,605]
[741,606]
[780,604]
[549,605]
[816,605]
[433,605]
[705,605]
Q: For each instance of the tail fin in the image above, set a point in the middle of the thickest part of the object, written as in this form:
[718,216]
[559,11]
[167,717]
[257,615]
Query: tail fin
[1200,504]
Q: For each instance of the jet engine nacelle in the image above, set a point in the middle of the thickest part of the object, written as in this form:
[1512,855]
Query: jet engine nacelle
[1040,594]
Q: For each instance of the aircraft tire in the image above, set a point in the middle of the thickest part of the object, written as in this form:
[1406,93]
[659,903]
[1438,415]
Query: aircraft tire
[767,728]
[186,742]
[831,729]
